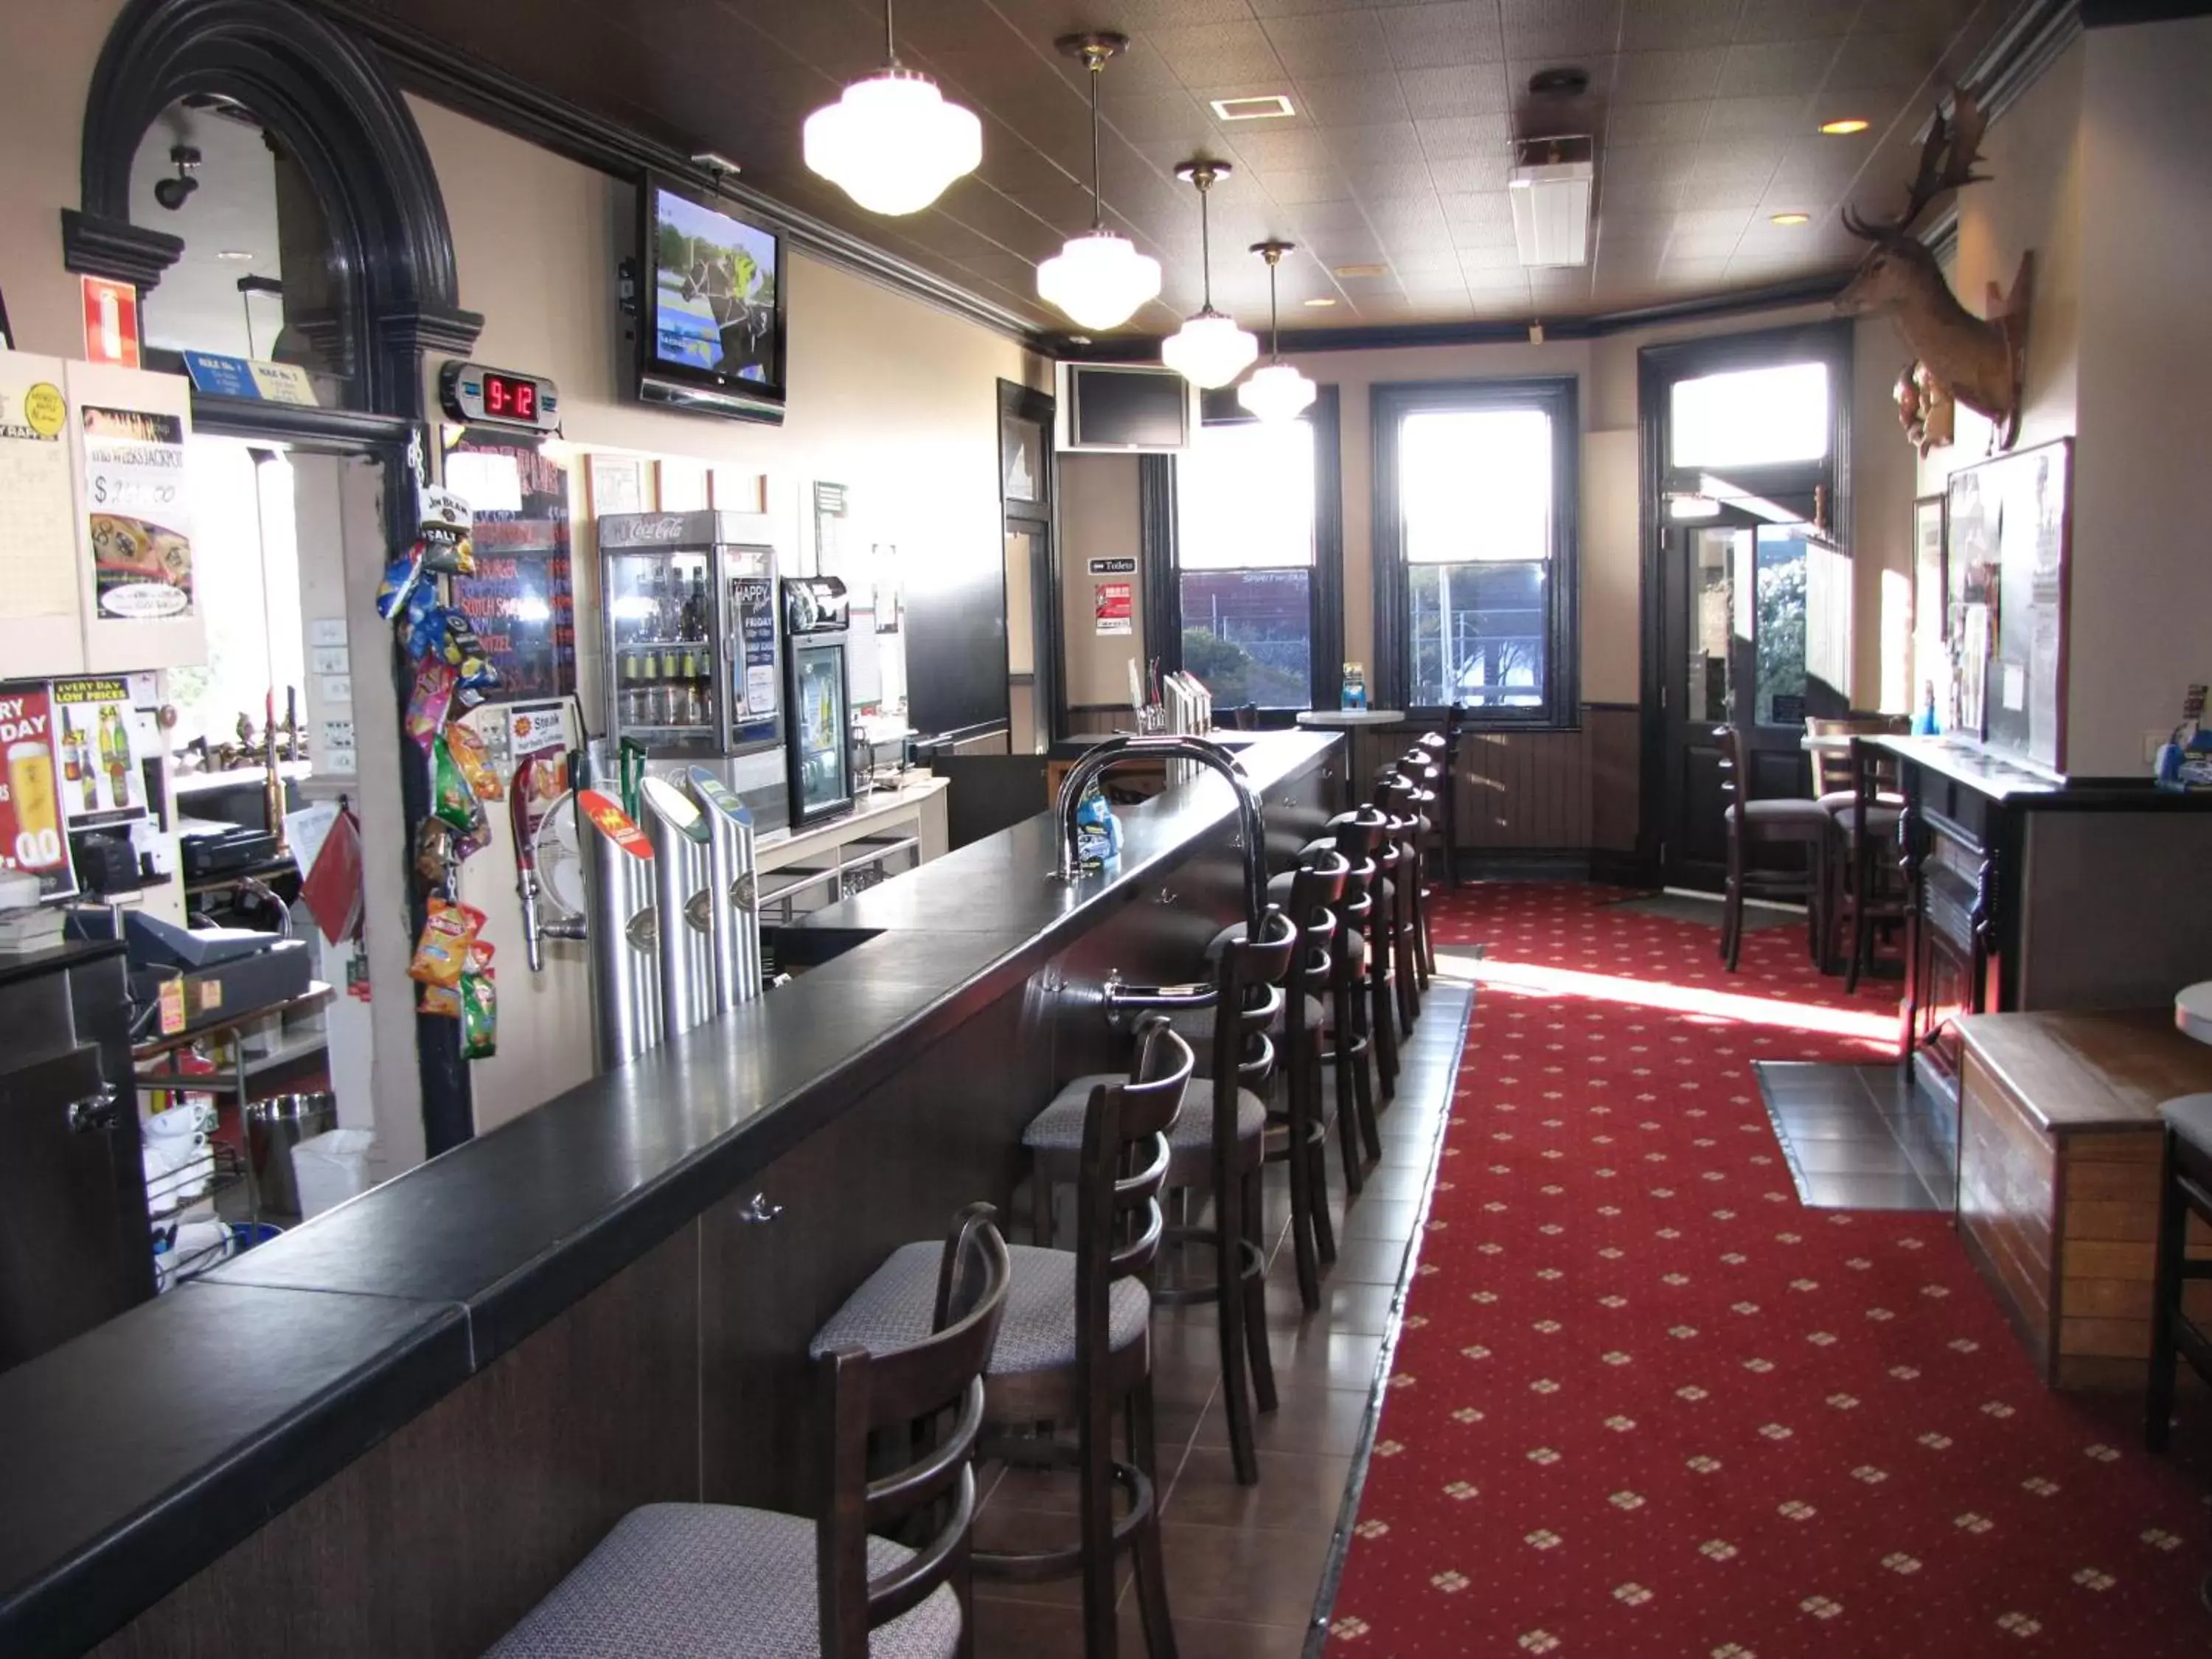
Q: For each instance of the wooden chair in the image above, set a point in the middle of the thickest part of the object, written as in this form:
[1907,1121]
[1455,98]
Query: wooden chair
[1218,1148]
[710,1578]
[2185,1191]
[1394,795]
[1379,946]
[1831,766]
[1872,888]
[1420,769]
[1444,746]
[1752,824]
[1299,1125]
[1350,1045]
[1075,1344]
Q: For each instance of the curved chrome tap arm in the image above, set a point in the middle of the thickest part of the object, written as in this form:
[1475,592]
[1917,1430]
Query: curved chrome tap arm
[1103,756]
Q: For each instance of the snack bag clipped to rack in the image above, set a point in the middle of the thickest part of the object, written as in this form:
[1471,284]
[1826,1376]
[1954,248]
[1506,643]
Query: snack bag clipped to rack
[441,538]
[442,953]
[453,797]
[467,747]
[479,1011]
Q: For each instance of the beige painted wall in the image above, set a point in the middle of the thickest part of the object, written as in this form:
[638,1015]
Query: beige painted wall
[46,56]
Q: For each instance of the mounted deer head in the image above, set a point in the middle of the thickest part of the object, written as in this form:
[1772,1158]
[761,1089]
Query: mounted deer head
[1977,360]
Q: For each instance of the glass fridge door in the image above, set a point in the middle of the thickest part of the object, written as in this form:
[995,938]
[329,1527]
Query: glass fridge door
[661,640]
[821,760]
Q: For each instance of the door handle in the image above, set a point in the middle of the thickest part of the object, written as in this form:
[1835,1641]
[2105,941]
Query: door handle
[94,1111]
[756,1210]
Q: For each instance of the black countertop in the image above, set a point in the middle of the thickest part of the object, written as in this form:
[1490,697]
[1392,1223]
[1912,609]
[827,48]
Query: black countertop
[29,964]
[157,1440]
[2005,780]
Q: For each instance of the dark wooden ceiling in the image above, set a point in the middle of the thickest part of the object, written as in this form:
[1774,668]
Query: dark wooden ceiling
[1705,113]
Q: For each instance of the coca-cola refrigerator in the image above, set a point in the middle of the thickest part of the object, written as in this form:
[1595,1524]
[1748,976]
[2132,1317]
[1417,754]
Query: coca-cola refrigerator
[691,648]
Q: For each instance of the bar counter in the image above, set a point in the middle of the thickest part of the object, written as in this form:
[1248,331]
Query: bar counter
[391,1429]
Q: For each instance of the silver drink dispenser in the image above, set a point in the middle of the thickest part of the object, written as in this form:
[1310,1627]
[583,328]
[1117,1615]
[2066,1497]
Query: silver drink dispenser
[683,904]
[621,928]
[733,921]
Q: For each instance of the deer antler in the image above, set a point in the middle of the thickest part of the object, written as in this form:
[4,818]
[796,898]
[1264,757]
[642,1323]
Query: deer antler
[1946,161]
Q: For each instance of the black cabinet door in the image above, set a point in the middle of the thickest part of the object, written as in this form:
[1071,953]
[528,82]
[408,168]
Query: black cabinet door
[61,1235]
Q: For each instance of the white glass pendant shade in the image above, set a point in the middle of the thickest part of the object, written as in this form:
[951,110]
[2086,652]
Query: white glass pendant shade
[1099,279]
[1209,350]
[1277,393]
[892,143]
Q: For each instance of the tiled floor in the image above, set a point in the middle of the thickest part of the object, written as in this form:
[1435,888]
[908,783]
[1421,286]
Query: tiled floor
[1245,1565]
[1861,1137]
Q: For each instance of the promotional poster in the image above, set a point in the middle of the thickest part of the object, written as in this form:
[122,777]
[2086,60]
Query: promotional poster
[31,835]
[134,488]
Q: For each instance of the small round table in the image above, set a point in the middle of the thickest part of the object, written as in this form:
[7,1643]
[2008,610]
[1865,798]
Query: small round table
[2193,1011]
[1348,719]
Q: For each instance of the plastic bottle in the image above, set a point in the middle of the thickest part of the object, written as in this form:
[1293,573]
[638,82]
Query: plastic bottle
[1097,843]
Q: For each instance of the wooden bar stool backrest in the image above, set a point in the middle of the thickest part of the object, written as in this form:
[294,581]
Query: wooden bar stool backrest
[1118,1223]
[1247,996]
[1730,741]
[1832,769]
[1315,892]
[897,1390]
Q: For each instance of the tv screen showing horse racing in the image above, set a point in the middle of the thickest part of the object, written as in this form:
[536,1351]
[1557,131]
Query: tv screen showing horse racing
[714,293]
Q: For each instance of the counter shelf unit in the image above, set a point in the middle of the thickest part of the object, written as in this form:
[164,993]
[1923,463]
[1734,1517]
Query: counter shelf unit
[2059,1158]
[2030,890]
[826,862]
[406,1417]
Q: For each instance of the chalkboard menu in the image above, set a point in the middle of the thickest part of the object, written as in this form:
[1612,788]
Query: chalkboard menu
[521,598]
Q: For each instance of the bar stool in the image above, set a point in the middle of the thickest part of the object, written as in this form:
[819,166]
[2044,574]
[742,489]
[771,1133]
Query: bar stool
[1755,824]
[1218,1145]
[1379,949]
[1394,795]
[1872,886]
[1350,1045]
[1418,768]
[702,1578]
[2184,1191]
[1076,1341]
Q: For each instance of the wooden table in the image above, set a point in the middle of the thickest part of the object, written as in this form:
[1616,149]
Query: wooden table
[2059,1152]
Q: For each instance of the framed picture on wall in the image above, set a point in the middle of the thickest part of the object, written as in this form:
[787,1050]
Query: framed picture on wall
[2010,520]
[619,484]
[1925,631]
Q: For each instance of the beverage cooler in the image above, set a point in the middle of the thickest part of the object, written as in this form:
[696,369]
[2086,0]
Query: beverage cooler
[819,750]
[691,654]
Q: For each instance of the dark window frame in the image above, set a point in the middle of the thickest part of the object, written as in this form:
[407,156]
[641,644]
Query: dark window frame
[1160,525]
[1559,396]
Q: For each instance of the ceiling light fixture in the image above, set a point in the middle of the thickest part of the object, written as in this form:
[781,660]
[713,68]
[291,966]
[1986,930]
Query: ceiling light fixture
[1277,393]
[1100,279]
[1320,300]
[1550,189]
[1209,350]
[238,254]
[1792,219]
[1363,270]
[893,143]
[1272,107]
[1844,128]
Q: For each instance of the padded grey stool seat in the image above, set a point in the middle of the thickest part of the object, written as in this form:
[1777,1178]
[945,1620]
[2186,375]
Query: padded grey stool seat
[1839,801]
[1789,811]
[707,1581]
[891,1308]
[1060,1126]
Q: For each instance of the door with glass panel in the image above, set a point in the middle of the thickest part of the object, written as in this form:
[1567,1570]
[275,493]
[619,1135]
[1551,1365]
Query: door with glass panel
[1754,592]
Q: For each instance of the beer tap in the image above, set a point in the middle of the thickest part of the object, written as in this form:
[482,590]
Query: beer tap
[535,929]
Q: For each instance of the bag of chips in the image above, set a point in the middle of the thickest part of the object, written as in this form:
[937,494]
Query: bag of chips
[453,797]
[474,759]
[448,933]
[403,578]
[479,1015]
[444,1000]
[429,704]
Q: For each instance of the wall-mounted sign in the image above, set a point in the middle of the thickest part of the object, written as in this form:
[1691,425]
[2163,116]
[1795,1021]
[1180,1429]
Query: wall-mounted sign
[521,599]
[1113,566]
[1116,608]
[111,322]
[94,733]
[134,493]
[31,838]
[250,377]
[37,514]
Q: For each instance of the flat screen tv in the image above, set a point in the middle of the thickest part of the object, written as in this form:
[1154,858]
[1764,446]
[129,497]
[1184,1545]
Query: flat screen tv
[711,315]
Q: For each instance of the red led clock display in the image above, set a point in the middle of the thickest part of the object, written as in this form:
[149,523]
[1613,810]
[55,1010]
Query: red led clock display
[510,398]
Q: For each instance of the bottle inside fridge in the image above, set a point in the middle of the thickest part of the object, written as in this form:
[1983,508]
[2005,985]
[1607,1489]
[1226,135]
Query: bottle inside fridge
[661,623]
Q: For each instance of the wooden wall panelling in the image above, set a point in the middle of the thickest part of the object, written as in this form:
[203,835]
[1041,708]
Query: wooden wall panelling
[1615,766]
[2007,1180]
[434,1542]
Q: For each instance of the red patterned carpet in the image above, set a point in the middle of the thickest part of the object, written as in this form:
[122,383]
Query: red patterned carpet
[1646,1403]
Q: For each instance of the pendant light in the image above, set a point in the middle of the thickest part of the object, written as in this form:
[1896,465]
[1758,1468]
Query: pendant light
[1098,280]
[1209,350]
[893,143]
[1277,393]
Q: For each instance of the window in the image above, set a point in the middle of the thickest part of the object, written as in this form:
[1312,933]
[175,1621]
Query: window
[1750,417]
[1474,536]
[1251,581]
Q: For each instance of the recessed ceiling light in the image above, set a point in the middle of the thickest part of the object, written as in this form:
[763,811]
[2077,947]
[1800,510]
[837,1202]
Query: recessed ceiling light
[241,254]
[1793,218]
[1252,109]
[1363,270]
[1320,300]
[1844,128]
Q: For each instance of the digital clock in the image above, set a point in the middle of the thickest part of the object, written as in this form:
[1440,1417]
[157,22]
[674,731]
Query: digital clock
[480,396]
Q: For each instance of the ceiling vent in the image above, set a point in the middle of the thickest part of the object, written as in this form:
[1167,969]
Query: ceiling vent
[1274,105]
[1550,188]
